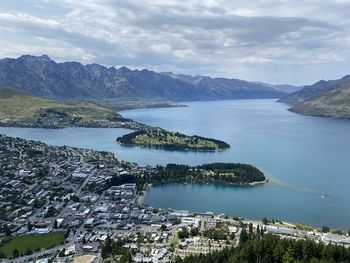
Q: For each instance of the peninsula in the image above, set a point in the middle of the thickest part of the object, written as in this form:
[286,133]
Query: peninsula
[216,173]
[19,109]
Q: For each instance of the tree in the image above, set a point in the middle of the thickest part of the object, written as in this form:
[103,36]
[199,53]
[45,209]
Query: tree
[288,256]
[55,224]
[250,230]
[194,231]
[62,252]
[29,252]
[126,257]
[103,251]
[7,230]
[15,253]
[50,212]
[108,244]
[265,221]
[325,229]
[183,234]
[243,237]
[66,235]
[29,226]
[163,227]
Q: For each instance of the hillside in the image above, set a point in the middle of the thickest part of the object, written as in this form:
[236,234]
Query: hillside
[311,91]
[22,109]
[223,88]
[334,102]
[41,76]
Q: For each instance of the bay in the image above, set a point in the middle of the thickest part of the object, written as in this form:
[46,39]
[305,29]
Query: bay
[305,158]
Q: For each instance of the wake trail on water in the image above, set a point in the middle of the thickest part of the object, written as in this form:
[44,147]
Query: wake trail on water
[296,188]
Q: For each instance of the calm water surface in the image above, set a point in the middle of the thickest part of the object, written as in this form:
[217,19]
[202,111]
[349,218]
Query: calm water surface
[306,159]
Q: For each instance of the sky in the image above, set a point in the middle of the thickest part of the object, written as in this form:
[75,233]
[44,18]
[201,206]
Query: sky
[288,41]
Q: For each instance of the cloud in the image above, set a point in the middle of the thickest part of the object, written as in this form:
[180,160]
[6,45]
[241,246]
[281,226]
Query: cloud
[267,40]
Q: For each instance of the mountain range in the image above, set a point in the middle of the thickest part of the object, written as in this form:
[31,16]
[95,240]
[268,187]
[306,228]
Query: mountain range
[42,76]
[324,98]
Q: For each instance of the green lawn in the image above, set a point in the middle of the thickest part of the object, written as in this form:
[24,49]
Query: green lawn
[22,243]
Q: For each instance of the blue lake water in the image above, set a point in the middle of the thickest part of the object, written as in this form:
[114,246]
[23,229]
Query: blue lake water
[306,159]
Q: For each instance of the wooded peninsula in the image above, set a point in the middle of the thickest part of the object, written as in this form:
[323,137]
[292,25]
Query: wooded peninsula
[223,173]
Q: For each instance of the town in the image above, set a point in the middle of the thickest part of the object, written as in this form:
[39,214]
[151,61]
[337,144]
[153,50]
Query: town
[65,204]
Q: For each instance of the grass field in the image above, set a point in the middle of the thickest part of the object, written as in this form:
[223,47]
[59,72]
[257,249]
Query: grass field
[23,243]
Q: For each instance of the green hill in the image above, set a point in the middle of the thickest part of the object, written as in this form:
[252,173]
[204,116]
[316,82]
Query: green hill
[22,109]
[334,103]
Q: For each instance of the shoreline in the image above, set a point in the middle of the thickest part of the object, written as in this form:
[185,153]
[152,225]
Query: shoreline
[300,226]
[172,150]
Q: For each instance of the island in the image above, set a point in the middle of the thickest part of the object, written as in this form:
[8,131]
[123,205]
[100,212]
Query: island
[160,138]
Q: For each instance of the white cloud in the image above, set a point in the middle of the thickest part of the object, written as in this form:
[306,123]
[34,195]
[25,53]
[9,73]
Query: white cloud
[267,40]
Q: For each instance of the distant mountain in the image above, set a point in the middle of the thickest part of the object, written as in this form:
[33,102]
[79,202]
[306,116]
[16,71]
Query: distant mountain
[223,88]
[311,91]
[333,102]
[286,87]
[41,76]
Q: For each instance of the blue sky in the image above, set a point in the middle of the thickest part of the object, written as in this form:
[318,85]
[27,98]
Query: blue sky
[295,42]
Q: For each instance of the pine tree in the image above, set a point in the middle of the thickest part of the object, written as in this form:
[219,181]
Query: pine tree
[15,253]
[55,224]
[250,230]
[243,237]
[29,226]
[288,256]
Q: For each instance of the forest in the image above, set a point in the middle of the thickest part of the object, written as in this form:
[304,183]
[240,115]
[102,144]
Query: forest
[224,173]
[273,249]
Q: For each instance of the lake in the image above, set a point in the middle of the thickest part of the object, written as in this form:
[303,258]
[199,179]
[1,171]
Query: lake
[305,158]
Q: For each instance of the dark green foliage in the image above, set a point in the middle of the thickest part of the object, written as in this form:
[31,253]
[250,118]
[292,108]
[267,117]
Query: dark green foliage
[265,221]
[216,234]
[33,153]
[325,229]
[243,237]
[29,226]
[43,172]
[183,234]
[50,212]
[15,253]
[230,173]
[113,248]
[7,230]
[62,253]
[194,231]
[128,138]
[273,249]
